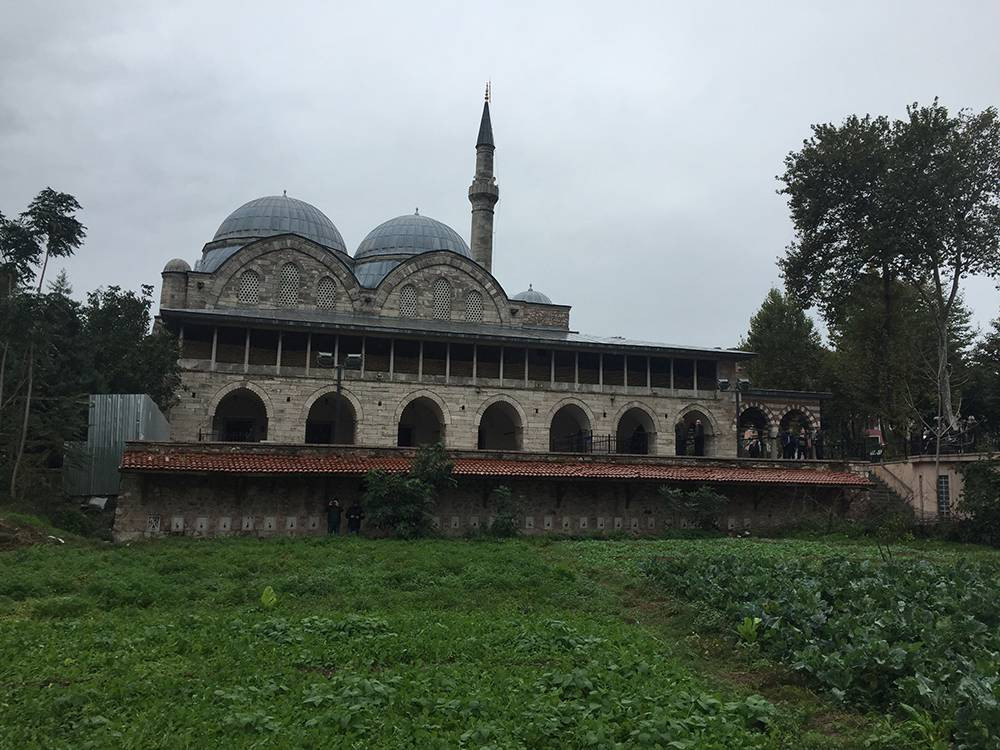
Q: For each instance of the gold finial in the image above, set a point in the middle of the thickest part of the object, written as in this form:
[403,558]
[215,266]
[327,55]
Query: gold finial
[488,91]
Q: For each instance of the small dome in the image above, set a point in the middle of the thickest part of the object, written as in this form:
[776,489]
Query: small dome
[177,264]
[532,296]
[279,214]
[411,235]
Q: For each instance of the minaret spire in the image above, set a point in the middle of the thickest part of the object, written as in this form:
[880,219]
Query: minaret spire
[484,193]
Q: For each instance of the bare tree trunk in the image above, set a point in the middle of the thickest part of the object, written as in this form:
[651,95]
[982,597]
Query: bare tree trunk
[24,424]
[45,264]
[3,376]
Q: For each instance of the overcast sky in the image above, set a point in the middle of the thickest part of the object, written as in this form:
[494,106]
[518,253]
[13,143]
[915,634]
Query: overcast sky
[637,143]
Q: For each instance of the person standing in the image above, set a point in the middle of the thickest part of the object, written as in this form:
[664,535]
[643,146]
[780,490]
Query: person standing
[333,511]
[680,438]
[699,438]
[354,516]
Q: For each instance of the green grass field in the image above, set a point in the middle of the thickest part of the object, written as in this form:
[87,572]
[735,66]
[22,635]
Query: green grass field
[381,644]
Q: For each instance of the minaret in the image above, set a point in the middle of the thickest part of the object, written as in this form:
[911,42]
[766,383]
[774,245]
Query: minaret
[483,193]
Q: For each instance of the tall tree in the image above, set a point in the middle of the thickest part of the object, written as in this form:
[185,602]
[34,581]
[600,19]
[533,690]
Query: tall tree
[788,346]
[130,354]
[915,200]
[51,221]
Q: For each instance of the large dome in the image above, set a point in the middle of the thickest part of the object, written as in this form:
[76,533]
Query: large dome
[393,241]
[411,235]
[279,214]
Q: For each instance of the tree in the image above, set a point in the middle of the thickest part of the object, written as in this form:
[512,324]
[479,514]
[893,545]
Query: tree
[400,504]
[983,390]
[129,354]
[51,222]
[788,347]
[915,200]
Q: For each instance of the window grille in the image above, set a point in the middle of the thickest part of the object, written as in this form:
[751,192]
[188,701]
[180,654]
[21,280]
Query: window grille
[326,293]
[288,286]
[408,302]
[944,495]
[249,291]
[474,307]
[442,299]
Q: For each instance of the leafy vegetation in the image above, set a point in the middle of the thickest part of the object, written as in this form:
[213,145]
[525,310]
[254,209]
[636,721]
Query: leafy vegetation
[361,643]
[901,634]
[400,504]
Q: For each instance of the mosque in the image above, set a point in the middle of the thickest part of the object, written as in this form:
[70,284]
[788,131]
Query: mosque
[302,360]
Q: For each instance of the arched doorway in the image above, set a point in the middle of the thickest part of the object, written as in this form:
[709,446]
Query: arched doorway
[421,423]
[795,435]
[636,433]
[570,431]
[699,437]
[322,427]
[240,417]
[755,433]
[500,428]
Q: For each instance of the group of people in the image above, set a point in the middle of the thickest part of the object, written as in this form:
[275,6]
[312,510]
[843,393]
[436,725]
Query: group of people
[795,442]
[688,436]
[333,516]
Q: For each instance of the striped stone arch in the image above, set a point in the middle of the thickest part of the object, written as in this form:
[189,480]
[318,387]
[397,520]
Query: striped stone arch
[422,393]
[246,385]
[802,409]
[650,412]
[768,412]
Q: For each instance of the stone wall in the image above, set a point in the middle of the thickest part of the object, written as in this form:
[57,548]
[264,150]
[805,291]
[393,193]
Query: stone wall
[155,505]
[535,315]
[378,403]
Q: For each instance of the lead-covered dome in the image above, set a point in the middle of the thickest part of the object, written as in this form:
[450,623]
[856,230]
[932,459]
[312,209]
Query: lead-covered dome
[393,241]
[279,214]
[410,235]
[532,295]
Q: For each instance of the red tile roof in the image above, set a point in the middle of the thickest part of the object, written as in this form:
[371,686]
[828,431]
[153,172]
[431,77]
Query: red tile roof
[236,462]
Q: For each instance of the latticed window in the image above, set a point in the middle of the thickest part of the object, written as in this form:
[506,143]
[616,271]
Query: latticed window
[249,291]
[944,495]
[408,302]
[288,286]
[474,306]
[326,293]
[442,299]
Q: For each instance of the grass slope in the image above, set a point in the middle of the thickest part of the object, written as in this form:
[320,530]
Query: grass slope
[373,644]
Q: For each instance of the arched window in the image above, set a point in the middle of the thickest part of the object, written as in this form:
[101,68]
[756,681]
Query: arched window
[474,306]
[249,291]
[288,286]
[408,302]
[326,294]
[442,299]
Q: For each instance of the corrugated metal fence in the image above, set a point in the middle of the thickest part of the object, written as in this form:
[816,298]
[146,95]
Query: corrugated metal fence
[91,468]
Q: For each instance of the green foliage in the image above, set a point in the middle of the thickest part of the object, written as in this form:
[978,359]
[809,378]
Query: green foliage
[379,644]
[400,505]
[505,520]
[981,500]
[880,634]
[701,506]
[268,599]
[788,347]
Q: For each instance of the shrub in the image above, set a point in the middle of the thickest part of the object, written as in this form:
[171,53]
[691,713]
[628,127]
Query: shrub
[981,500]
[702,506]
[400,505]
[504,523]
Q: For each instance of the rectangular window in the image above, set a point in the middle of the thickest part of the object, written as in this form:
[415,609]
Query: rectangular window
[435,353]
[565,367]
[488,362]
[263,347]
[293,349]
[197,342]
[539,365]
[636,371]
[377,354]
[590,365]
[684,374]
[407,357]
[461,360]
[659,372]
[614,369]
[707,375]
[231,345]
[944,496]
[513,364]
